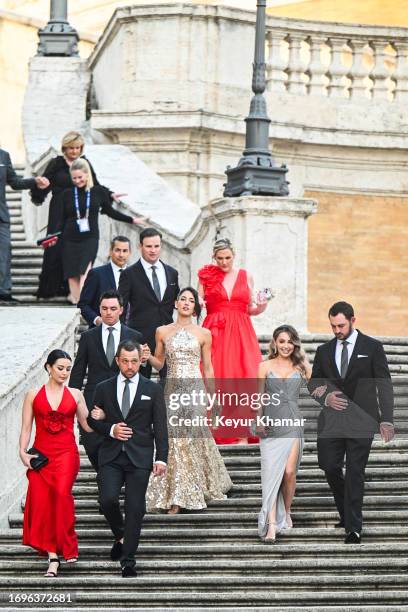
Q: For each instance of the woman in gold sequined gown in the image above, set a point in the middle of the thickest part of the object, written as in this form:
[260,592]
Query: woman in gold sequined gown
[196,473]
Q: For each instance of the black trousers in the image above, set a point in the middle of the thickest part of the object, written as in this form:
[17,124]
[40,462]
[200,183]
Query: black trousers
[348,488]
[111,477]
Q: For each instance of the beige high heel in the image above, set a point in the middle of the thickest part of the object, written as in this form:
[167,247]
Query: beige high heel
[268,539]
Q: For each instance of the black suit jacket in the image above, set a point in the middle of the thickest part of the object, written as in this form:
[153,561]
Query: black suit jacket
[367,385]
[8,176]
[92,357]
[147,417]
[99,279]
[142,310]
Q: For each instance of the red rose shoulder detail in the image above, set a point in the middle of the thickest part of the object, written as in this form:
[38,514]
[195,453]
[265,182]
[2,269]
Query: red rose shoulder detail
[54,422]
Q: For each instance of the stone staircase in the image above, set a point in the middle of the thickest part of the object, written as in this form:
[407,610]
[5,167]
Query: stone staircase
[213,560]
[26,256]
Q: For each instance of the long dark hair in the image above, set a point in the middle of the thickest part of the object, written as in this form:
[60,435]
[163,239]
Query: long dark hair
[298,356]
[197,306]
[54,356]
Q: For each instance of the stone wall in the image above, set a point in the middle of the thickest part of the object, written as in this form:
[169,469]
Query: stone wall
[358,253]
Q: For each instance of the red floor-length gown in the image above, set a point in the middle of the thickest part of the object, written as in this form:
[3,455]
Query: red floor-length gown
[49,515]
[235,349]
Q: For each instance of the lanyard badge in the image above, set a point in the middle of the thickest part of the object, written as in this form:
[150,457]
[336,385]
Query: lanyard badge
[83,222]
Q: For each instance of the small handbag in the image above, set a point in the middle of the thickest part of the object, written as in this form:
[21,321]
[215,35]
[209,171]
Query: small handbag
[49,240]
[38,462]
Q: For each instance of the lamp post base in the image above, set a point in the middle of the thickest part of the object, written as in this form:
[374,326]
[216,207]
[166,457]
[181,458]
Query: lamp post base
[256,180]
[58,44]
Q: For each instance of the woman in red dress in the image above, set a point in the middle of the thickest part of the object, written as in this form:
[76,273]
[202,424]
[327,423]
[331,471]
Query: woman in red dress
[49,515]
[227,292]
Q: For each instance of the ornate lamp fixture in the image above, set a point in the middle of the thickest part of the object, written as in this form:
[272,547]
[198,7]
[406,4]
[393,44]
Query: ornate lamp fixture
[257,172]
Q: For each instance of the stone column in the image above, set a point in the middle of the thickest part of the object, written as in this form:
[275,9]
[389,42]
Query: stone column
[270,238]
[54,103]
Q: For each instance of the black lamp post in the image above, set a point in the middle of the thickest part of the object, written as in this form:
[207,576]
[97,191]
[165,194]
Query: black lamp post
[256,172]
[58,38]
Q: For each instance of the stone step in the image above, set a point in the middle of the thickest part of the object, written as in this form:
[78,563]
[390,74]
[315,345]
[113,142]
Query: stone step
[211,516]
[398,474]
[257,594]
[211,567]
[27,250]
[278,582]
[24,273]
[11,547]
[384,607]
[319,487]
[25,290]
[197,537]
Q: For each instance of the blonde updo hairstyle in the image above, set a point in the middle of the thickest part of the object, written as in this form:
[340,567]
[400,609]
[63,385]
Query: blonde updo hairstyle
[221,244]
[83,166]
[72,139]
[298,356]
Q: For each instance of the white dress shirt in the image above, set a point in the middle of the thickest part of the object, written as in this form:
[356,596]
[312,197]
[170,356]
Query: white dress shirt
[120,387]
[116,272]
[116,335]
[351,342]
[160,271]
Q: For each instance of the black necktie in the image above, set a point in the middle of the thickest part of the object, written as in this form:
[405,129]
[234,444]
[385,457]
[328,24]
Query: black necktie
[344,360]
[110,346]
[126,399]
[156,284]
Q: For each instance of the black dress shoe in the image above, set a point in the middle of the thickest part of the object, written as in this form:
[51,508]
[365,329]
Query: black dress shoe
[128,572]
[352,538]
[8,299]
[340,524]
[116,551]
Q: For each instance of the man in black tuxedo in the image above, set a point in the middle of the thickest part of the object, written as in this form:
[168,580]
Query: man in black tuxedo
[149,289]
[103,278]
[96,354]
[352,382]
[133,414]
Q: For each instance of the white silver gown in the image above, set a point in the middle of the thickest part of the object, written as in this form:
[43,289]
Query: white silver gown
[276,446]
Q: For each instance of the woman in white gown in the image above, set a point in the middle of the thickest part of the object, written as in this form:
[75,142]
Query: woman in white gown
[196,473]
[281,377]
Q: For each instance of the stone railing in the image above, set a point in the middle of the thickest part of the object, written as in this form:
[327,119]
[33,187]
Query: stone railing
[337,60]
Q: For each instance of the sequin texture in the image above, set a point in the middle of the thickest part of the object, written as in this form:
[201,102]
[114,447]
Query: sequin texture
[196,473]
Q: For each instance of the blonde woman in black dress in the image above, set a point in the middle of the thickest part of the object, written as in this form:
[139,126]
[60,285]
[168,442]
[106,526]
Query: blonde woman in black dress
[81,205]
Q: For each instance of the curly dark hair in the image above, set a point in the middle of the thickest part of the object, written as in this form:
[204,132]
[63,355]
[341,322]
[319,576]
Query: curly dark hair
[197,305]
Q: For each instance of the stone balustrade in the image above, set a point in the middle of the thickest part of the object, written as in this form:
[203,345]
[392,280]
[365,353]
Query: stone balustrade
[337,60]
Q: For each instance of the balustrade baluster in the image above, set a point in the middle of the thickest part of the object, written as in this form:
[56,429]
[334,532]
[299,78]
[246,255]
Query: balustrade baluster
[379,72]
[316,69]
[360,69]
[296,82]
[400,75]
[337,69]
[277,63]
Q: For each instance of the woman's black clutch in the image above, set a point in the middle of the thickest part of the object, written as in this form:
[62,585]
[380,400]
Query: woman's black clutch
[39,461]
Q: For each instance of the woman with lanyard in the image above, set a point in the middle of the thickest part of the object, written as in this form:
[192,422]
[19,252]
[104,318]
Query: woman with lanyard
[80,232]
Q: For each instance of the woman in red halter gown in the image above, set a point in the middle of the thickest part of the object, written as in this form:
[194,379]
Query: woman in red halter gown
[229,304]
[49,515]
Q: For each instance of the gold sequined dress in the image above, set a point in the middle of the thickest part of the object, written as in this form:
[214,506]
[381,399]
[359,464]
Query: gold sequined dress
[196,473]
